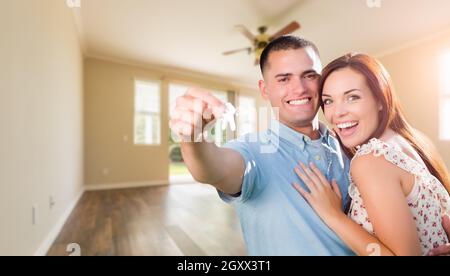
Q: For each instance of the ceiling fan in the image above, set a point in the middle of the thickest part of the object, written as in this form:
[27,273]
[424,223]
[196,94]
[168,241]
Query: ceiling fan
[260,41]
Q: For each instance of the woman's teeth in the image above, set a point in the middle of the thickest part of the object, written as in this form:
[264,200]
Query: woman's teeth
[299,102]
[346,125]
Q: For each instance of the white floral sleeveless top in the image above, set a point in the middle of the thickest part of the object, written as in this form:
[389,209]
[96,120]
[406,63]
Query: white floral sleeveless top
[428,201]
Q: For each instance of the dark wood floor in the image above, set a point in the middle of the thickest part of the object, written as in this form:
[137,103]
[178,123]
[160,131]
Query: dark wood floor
[180,220]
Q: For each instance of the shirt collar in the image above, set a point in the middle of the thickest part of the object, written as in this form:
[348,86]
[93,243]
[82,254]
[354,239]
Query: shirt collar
[295,137]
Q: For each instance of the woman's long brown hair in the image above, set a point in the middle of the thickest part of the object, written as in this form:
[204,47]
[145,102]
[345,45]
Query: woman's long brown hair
[392,115]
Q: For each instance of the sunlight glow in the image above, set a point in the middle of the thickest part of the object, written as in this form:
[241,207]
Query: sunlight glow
[444,129]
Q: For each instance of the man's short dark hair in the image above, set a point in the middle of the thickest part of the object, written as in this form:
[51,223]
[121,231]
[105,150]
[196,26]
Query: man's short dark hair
[282,43]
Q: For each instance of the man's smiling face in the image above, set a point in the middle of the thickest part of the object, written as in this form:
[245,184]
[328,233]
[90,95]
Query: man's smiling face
[291,83]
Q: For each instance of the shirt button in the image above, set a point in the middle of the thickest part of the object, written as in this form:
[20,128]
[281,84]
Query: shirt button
[317,157]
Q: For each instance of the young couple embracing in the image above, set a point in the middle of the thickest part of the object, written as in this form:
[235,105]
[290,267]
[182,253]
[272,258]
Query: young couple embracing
[372,181]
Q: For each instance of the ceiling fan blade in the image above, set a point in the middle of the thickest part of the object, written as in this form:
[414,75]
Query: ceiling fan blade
[293,26]
[248,49]
[246,33]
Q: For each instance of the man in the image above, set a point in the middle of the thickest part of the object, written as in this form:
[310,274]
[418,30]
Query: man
[275,220]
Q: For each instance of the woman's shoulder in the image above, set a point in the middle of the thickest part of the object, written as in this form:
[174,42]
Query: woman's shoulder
[375,146]
[371,164]
[375,160]
[397,152]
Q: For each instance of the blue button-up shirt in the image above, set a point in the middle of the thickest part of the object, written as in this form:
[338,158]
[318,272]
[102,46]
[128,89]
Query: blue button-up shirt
[275,218]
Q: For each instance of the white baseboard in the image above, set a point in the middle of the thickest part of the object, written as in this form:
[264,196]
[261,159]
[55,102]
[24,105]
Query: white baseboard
[182,179]
[53,234]
[125,185]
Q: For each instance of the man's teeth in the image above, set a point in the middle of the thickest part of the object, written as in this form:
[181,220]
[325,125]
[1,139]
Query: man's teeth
[299,102]
[347,125]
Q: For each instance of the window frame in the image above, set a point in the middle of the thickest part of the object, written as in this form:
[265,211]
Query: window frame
[255,114]
[144,113]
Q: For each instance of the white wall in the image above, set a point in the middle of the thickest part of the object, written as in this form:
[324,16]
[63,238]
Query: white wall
[41,146]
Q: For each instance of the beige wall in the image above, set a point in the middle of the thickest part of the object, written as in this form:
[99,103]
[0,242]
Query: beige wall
[41,122]
[415,72]
[109,113]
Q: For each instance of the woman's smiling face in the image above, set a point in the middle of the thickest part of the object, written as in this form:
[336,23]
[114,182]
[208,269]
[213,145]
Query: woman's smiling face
[350,106]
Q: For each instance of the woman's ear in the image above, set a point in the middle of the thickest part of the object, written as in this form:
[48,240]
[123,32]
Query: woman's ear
[380,107]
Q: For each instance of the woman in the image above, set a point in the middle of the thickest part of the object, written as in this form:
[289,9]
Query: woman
[399,185]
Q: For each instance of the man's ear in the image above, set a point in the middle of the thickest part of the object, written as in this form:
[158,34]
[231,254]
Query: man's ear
[263,90]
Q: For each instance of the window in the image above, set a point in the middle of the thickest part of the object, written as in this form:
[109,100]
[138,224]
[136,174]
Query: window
[444,117]
[147,113]
[247,115]
[219,134]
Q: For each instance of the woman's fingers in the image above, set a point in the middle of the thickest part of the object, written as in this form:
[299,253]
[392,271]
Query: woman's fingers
[336,189]
[302,192]
[319,175]
[312,188]
[314,179]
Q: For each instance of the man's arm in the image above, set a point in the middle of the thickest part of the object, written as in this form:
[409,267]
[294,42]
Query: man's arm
[222,168]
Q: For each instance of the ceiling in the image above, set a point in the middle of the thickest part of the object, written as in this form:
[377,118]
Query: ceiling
[191,34]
